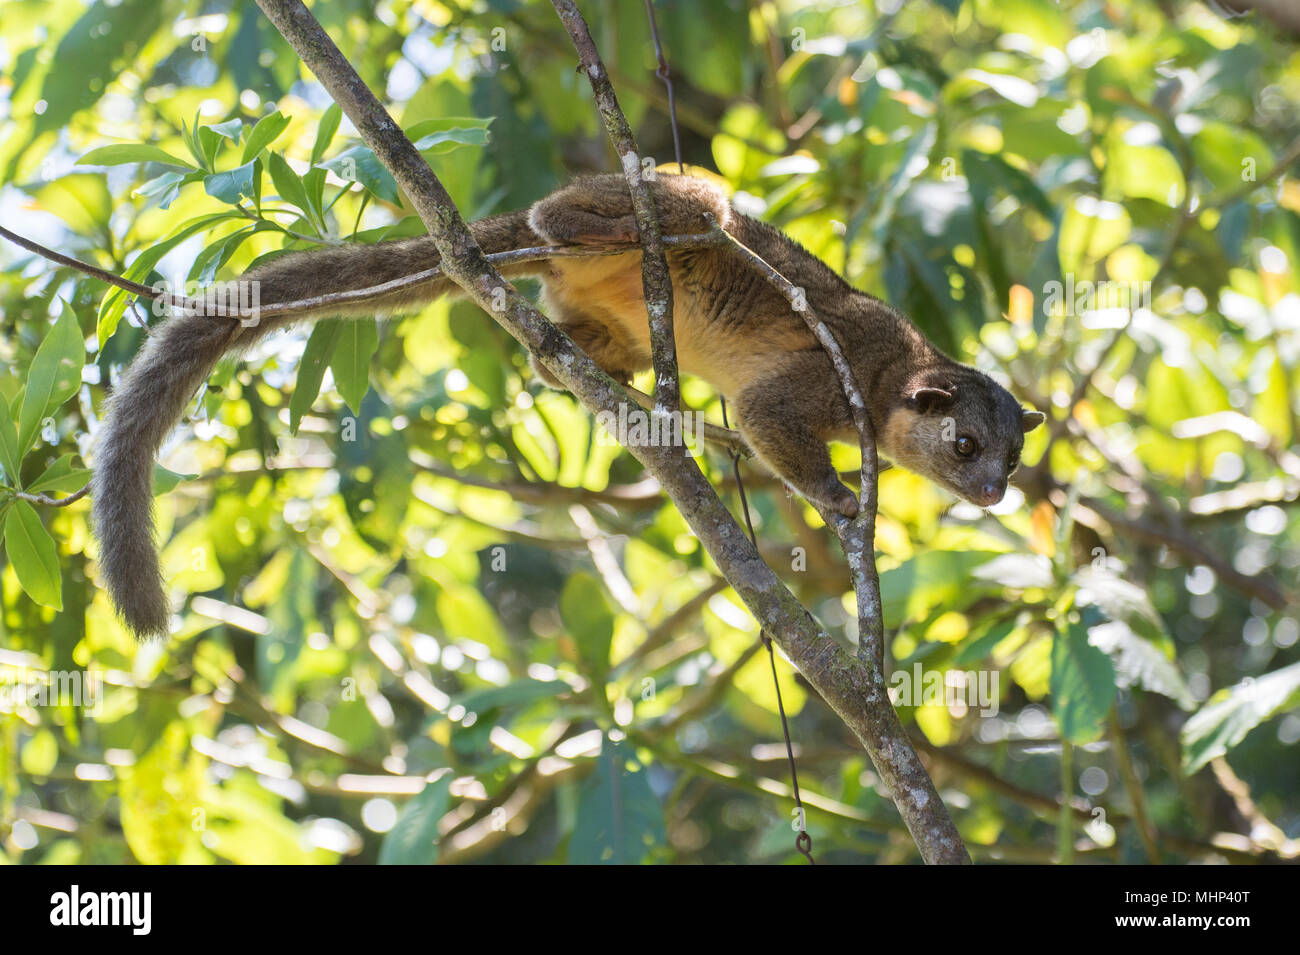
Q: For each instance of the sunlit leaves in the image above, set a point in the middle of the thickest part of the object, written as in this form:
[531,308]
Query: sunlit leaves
[232,185]
[54,376]
[267,130]
[31,551]
[1233,712]
[59,476]
[587,615]
[10,458]
[357,342]
[311,369]
[290,186]
[130,153]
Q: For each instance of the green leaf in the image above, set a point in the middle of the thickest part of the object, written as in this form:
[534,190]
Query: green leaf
[1142,172]
[231,185]
[442,135]
[267,131]
[413,840]
[933,578]
[165,480]
[123,153]
[230,129]
[329,125]
[358,164]
[980,647]
[1230,714]
[54,376]
[587,615]
[1229,156]
[190,137]
[167,186]
[288,184]
[619,816]
[1082,684]
[358,341]
[316,358]
[61,476]
[10,459]
[33,556]
[210,137]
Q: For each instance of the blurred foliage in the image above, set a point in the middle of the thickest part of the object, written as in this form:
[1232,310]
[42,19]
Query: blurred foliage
[417,625]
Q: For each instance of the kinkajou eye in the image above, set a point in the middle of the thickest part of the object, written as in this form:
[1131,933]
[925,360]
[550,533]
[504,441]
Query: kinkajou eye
[966,446]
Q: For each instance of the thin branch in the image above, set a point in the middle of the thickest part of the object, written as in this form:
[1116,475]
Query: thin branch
[1235,501]
[1137,796]
[1191,547]
[655,279]
[198,306]
[45,500]
[857,536]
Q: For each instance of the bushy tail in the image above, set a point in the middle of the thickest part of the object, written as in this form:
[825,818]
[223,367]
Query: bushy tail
[182,352]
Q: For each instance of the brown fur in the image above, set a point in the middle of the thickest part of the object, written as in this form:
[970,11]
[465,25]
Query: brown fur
[731,329]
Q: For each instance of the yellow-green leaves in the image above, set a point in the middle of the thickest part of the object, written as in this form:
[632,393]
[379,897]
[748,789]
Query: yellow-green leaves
[311,370]
[587,615]
[162,813]
[123,153]
[33,556]
[53,378]
[267,130]
[357,343]
[9,456]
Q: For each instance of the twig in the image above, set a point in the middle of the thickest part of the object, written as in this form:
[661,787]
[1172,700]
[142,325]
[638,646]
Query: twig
[1280,492]
[48,501]
[1265,588]
[1136,794]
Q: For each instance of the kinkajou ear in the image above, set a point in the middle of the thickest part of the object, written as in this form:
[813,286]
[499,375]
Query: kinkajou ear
[1030,420]
[931,400]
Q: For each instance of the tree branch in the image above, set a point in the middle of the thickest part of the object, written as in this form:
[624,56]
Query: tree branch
[655,279]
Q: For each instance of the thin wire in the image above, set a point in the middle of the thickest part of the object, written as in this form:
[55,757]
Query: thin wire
[665,75]
[803,841]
